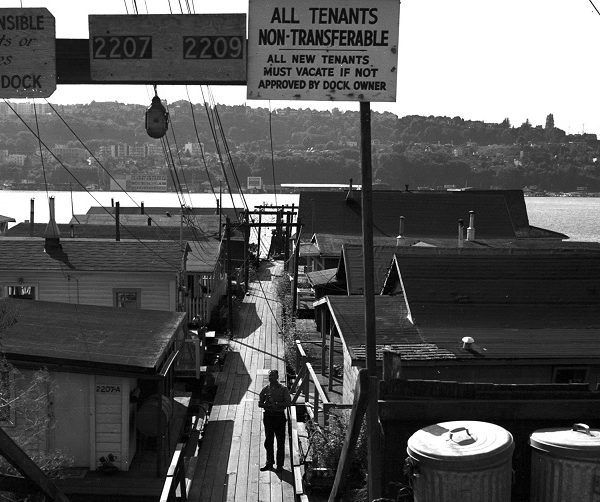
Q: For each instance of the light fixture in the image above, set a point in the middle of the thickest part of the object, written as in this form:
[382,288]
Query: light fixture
[157,118]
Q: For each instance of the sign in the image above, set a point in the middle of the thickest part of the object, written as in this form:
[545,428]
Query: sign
[27,53]
[108,389]
[323,50]
[203,49]
[254,182]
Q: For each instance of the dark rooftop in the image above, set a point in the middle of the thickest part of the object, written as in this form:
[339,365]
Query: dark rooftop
[22,253]
[94,339]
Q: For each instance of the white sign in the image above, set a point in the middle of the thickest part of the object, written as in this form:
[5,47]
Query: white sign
[27,53]
[207,48]
[254,182]
[323,50]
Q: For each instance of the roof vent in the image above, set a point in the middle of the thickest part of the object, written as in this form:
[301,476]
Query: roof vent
[349,194]
[468,342]
[461,233]
[401,232]
[51,234]
[471,228]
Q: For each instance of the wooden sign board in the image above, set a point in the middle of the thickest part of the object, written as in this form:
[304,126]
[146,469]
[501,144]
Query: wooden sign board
[27,53]
[323,50]
[157,48]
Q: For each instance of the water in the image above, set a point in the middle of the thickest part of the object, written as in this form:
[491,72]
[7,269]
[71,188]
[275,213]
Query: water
[577,217]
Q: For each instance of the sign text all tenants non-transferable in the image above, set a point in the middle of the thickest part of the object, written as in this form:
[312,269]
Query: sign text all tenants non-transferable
[323,51]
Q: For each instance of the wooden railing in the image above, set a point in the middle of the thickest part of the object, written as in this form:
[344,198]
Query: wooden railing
[183,464]
[317,405]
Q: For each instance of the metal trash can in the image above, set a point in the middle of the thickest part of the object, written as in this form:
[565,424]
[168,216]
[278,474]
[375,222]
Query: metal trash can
[565,464]
[466,461]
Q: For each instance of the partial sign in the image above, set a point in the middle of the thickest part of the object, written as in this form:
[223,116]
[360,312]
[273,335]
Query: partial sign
[203,49]
[254,182]
[27,53]
[323,50]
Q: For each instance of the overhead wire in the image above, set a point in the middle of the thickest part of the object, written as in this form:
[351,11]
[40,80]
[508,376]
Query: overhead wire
[272,154]
[79,182]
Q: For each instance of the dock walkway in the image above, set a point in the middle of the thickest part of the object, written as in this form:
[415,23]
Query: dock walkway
[232,451]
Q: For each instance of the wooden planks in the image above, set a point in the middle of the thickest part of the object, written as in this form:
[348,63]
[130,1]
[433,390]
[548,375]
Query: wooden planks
[232,449]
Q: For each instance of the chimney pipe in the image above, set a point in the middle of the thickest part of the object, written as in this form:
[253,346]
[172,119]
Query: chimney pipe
[31,216]
[117,222]
[471,228]
[51,234]
[401,232]
[72,230]
[461,233]
[349,194]
[149,221]
[406,188]
[142,208]
[112,202]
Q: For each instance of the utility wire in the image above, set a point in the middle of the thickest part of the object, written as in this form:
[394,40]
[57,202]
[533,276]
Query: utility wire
[37,127]
[272,154]
[597,11]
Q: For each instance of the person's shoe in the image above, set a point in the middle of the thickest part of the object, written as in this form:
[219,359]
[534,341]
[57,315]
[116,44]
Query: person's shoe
[267,467]
[279,468]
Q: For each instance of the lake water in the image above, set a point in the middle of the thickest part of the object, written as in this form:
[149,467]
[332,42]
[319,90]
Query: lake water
[577,217]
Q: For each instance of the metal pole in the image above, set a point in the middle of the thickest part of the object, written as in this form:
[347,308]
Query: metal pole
[367,229]
[258,247]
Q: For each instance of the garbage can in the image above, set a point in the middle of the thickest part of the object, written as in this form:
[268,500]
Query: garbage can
[565,464]
[465,461]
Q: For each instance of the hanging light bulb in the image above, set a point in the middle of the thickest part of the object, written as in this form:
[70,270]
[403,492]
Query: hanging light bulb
[157,118]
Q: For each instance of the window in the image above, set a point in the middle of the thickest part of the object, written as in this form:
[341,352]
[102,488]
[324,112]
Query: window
[127,298]
[570,374]
[23,291]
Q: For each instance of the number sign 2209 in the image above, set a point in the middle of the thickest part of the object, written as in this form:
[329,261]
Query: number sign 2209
[212,47]
[122,47]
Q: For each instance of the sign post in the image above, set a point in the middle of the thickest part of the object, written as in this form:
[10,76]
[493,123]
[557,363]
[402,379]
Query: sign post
[27,53]
[325,51]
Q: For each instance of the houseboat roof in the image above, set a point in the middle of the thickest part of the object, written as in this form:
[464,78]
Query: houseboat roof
[88,338]
[203,256]
[162,210]
[500,332]
[23,253]
[559,276]
[91,231]
[498,213]
[6,219]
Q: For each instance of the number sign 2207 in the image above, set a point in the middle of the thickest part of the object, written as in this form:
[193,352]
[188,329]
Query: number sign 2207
[122,47]
[212,47]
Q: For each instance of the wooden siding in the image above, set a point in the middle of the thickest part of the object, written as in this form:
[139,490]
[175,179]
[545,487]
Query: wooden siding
[158,290]
[108,433]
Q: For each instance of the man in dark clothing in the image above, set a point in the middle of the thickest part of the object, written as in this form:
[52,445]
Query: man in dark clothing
[274,399]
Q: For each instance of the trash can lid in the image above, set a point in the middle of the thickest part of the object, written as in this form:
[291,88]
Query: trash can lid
[577,442]
[463,442]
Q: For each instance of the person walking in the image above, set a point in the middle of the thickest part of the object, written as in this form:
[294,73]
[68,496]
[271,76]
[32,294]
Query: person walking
[274,399]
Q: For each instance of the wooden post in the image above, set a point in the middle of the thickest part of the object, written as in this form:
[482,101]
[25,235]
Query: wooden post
[323,344]
[117,217]
[228,269]
[369,294]
[295,265]
[358,410]
[392,365]
[246,228]
[331,346]
[258,247]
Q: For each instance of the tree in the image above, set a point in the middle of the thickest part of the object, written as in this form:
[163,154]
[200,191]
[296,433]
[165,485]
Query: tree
[25,401]
[549,122]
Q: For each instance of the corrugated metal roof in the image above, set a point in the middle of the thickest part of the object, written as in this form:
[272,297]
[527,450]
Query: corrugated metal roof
[308,249]
[96,337]
[6,219]
[20,253]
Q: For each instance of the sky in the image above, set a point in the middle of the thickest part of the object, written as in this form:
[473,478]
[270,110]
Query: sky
[480,60]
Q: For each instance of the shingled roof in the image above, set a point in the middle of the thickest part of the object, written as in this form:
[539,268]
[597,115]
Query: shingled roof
[499,213]
[89,338]
[162,210]
[497,276]
[21,253]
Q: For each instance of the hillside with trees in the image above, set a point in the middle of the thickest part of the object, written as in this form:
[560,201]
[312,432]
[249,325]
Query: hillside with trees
[300,146]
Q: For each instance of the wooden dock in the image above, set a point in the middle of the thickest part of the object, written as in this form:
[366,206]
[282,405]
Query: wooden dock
[232,451]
